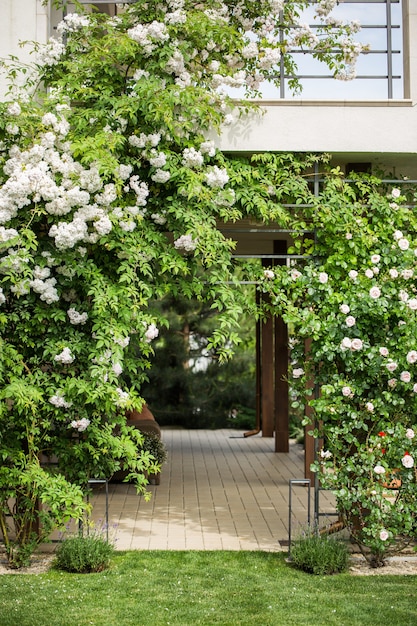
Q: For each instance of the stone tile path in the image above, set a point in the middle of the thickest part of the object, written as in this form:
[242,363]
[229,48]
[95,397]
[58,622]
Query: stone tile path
[218,491]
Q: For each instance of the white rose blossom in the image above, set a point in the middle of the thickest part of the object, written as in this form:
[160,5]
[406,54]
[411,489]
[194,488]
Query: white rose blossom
[403,244]
[405,377]
[350,321]
[375,292]
[407,461]
[357,344]
[410,434]
[411,357]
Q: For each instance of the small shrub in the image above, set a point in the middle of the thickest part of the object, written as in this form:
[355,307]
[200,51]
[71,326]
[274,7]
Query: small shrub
[84,555]
[320,555]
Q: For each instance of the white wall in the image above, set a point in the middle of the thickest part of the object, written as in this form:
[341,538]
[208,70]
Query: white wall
[304,126]
[21,20]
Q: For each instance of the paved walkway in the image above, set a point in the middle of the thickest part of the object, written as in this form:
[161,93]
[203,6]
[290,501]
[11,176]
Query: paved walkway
[218,491]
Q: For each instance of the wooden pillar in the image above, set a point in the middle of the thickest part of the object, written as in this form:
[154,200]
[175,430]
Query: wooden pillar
[267,369]
[281,387]
[281,370]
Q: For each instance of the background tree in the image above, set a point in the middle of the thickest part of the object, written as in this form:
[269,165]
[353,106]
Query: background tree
[187,385]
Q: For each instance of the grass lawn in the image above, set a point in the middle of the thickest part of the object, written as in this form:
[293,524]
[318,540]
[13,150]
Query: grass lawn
[191,588]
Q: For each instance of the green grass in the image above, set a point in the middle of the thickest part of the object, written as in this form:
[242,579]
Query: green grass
[191,588]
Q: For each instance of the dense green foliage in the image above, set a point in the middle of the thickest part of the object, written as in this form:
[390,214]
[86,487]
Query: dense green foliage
[354,300]
[111,190]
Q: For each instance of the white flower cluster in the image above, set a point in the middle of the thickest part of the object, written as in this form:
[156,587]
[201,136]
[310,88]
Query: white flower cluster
[161,176]
[217,177]
[44,284]
[192,158]
[324,7]
[72,23]
[148,35]
[50,53]
[80,425]
[14,109]
[59,401]
[158,159]
[122,341]
[77,318]
[65,357]
[185,242]
[151,333]
[142,140]
[123,397]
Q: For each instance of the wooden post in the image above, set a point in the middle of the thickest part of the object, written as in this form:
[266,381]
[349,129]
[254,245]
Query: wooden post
[282,433]
[281,387]
[267,369]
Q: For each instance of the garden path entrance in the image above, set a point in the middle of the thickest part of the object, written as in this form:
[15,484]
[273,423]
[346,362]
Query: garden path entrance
[218,491]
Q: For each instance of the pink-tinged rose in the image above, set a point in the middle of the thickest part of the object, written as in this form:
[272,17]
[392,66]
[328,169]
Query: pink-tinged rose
[403,243]
[375,292]
[369,273]
[407,461]
[379,469]
[375,258]
[412,356]
[409,433]
[415,388]
[412,304]
[353,274]
[398,235]
[393,273]
[383,351]
[345,309]
[298,372]
[405,377]
[383,535]
[396,193]
[350,321]
[323,278]
[370,407]
[295,274]
[346,343]
[348,235]
[403,295]
[407,274]
[357,344]
[392,383]
[269,274]
[347,392]
[391,366]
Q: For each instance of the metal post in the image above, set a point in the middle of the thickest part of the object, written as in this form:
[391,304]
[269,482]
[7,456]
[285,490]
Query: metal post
[303,482]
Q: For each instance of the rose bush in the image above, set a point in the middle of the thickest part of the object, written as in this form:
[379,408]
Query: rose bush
[355,299]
